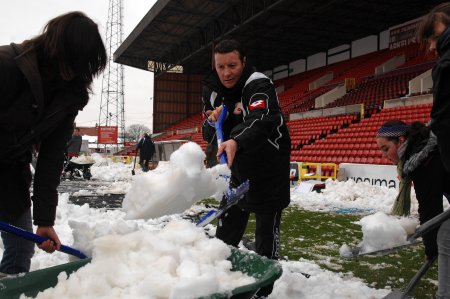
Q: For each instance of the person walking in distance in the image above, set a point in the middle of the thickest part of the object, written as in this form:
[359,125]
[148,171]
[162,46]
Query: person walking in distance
[73,148]
[74,145]
[210,100]
[146,149]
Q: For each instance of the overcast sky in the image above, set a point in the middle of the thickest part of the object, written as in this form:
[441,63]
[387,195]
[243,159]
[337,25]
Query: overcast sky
[23,19]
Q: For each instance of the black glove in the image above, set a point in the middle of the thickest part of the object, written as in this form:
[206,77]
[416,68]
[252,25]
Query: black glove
[223,202]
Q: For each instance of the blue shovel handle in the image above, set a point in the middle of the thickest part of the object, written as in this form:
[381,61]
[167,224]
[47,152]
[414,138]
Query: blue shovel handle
[37,239]
[219,133]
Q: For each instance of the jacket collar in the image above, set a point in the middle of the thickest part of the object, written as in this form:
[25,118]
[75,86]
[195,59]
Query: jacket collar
[443,41]
[27,63]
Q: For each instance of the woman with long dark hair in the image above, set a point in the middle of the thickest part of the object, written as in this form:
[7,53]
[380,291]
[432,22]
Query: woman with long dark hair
[44,82]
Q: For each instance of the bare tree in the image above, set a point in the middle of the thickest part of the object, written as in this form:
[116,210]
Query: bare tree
[136,131]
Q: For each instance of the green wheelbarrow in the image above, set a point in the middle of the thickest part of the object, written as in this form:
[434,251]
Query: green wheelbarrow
[264,270]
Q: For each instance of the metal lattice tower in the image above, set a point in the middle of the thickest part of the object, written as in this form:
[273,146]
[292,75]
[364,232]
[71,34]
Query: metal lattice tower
[112,110]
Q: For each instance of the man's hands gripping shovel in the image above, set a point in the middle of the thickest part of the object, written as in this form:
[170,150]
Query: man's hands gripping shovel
[45,243]
[226,152]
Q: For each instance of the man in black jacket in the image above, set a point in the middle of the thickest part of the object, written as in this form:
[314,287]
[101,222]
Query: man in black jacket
[43,83]
[146,149]
[258,149]
[74,145]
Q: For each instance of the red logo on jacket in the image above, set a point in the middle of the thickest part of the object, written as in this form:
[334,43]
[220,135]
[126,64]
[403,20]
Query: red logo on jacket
[260,104]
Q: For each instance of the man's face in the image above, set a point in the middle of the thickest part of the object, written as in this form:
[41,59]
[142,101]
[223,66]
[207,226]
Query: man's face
[229,67]
[439,27]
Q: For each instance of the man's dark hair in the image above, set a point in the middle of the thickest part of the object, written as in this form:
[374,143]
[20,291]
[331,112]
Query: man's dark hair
[229,45]
[440,13]
[73,44]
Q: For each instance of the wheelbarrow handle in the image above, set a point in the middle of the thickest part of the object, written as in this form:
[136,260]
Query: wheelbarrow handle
[37,239]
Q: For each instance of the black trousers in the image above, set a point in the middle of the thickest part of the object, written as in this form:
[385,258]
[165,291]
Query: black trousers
[231,229]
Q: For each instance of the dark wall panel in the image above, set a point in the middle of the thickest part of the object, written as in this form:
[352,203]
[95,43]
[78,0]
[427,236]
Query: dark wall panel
[176,97]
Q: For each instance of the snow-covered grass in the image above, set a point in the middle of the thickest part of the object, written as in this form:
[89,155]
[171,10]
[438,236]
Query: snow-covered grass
[315,237]
[313,229]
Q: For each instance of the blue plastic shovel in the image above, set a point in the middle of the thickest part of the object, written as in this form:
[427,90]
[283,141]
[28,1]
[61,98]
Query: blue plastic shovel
[233,195]
[219,132]
[8,228]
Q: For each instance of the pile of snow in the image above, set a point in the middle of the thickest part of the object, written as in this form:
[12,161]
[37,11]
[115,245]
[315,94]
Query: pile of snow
[82,160]
[104,169]
[83,192]
[304,279]
[349,194]
[175,186]
[114,188]
[381,231]
[177,262]
[101,160]
[103,233]
[84,226]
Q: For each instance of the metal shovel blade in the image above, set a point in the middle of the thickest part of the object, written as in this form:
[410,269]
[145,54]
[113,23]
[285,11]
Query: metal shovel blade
[356,251]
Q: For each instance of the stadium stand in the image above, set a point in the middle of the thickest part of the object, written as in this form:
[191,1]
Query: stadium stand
[346,82]
[188,129]
[374,91]
[299,98]
[306,131]
[356,143]
[347,138]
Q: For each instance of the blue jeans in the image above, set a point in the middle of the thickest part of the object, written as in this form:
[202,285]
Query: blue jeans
[443,241]
[18,251]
